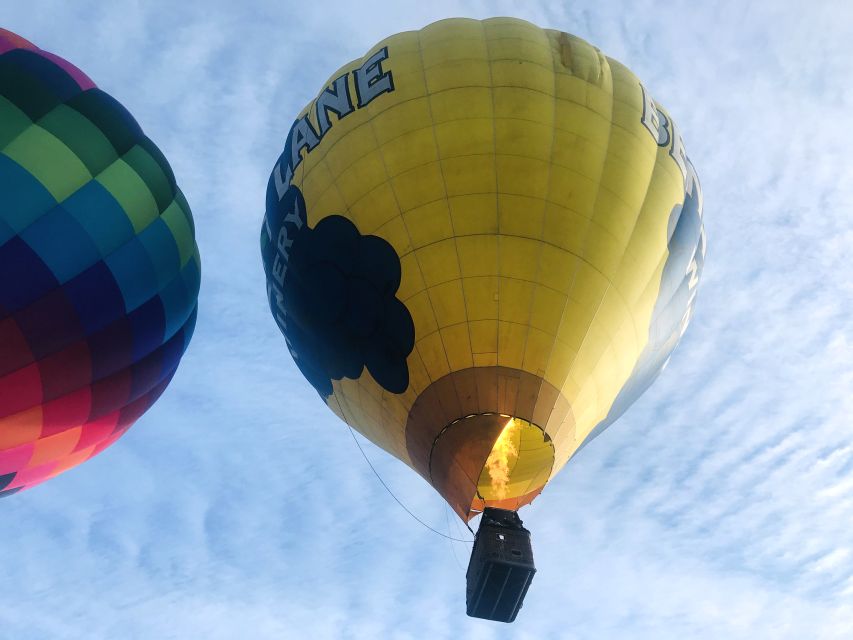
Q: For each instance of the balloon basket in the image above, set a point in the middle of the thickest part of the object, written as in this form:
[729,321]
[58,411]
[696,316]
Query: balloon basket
[501,567]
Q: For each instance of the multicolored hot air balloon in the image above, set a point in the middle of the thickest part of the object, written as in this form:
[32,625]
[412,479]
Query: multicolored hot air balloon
[100,270]
[482,243]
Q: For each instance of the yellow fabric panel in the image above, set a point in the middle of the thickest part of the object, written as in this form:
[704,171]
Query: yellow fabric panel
[511,171]
[511,338]
[434,355]
[418,376]
[474,213]
[448,303]
[514,300]
[560,362]
[420,306]
[470,174]
[428,223]
[482,295]
[484,336]
[438,262]
[478,255]
[537,348]
[547,309]
[457,346]
[411,282]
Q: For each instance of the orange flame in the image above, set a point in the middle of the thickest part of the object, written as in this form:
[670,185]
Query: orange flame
[499,459]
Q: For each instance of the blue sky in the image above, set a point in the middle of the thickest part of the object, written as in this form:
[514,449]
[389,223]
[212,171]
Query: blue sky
[719,506]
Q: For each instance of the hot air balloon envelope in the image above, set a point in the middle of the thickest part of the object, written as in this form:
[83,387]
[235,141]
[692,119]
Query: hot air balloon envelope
[482,242]
[100,271]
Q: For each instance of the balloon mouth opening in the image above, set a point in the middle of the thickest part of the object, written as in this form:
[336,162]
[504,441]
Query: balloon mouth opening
[519,464]
[490,460]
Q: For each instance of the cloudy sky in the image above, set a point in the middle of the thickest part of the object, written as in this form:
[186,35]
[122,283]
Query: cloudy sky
[719,506]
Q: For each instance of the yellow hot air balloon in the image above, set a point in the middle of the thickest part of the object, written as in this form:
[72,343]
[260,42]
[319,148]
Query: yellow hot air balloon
[482,243]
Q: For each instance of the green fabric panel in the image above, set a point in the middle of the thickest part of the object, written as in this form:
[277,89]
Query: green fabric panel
[182,202]
[51,162]
[160,159]
[81,136]
[110,117]
[176,219]
[13,121]
[131,192]
[151,173]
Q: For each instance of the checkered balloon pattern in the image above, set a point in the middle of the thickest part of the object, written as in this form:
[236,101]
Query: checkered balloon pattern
[99,269]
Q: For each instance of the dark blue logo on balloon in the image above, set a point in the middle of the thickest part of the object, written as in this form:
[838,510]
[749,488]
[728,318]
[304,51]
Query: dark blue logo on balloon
[333,293]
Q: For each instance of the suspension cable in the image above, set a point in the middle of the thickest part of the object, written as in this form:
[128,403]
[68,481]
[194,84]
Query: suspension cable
[391,493]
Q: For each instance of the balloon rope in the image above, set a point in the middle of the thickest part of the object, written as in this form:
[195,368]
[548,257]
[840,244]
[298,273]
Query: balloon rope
[391,493]
[450,542]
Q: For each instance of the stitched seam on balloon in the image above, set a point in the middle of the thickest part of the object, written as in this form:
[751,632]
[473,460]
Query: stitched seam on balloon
[639,213]
[352,418]
[324,152]
[556,339]
[334,185]
[446,200]
[661,266]
[486,42]
[340,398]
[574,170]
[546,199]
[343,138]
[452,38]
[558,464]
[385,185]
[497,213]
[652,174]
[571,285]
[494,170]
[537,277]
[390,183]
[663,154]
[454,461]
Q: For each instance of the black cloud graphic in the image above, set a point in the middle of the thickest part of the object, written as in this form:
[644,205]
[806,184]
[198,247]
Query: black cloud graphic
[342,312]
